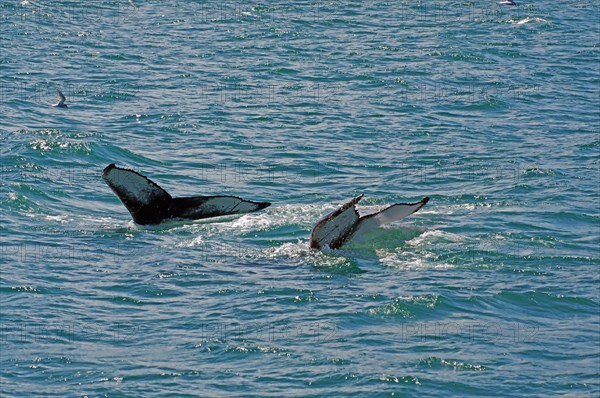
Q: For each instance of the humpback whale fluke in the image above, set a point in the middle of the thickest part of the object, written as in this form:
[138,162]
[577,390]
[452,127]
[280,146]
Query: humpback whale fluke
[150,204]
[345,223]
[61,100]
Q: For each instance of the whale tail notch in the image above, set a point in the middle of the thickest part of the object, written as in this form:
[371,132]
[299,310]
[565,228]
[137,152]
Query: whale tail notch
[149,204]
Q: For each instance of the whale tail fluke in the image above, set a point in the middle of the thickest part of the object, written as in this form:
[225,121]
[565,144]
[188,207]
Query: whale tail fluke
[345,223]
[149,204]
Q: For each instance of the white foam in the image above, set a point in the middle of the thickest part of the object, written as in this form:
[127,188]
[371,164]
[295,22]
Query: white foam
[289,250]
[61,219]
[435,235]
[410,260]
[527,20]
[272,218]
[197,241]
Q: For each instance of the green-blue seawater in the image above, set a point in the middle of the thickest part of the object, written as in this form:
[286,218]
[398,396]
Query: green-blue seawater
[493,111]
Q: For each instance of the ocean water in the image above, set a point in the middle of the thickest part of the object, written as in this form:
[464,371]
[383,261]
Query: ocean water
[492,289]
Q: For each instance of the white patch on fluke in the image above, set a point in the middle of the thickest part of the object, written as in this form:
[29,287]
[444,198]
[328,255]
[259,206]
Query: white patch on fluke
[228,204]
[387,216]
